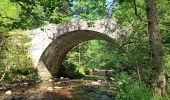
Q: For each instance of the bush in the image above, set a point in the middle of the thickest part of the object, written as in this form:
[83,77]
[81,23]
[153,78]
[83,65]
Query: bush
[15,61]
[32,77]
[134,91]
[69,70]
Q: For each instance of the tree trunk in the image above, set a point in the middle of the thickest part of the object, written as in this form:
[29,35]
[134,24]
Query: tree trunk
[158,75]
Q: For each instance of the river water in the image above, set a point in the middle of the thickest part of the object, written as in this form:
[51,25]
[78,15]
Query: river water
[61,89]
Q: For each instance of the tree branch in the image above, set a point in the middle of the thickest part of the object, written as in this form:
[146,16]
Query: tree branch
[33,15]
[136,12]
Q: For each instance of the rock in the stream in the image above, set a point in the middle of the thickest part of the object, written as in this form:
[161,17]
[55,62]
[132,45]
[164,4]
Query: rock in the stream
[25,84]
[109,94]
[8,92]
[50,89]
[57,87]
[95,83]
[57,83]
[38,81]
[88,88]
[50,80]
[61,78]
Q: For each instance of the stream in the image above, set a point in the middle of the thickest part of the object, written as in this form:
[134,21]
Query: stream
[61,89]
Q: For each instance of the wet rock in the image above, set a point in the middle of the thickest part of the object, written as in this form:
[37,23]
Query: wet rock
[88,88]
[57,87]
[50,80]
[8,92]
[5,87]
[99,81]
[64,79]
[50,89]
[61,78]
[95,83]
[38,81]
[25,84]
[109,94]
[58,83]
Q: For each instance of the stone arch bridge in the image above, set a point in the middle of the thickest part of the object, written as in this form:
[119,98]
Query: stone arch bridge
[51,43]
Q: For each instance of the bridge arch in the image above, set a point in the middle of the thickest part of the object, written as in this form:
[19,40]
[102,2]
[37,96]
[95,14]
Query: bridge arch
[51,43]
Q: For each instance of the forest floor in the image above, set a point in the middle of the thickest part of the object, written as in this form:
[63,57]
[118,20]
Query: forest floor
[61,89]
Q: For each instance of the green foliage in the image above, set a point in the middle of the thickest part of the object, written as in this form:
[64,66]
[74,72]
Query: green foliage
[89,9]
[32,76]
[69,70]
[9,13]
[128,88]
[134,91]
[94,54]
[26,14]
[15,60]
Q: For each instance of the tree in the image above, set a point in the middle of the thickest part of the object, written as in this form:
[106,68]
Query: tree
[158,71]
[159,80]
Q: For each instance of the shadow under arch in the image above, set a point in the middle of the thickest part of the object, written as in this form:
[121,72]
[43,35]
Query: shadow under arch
[53,56]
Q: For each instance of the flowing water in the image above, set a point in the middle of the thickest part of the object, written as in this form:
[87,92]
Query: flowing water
[61,89]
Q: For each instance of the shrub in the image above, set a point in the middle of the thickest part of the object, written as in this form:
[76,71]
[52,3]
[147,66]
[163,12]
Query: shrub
[134,91]
[14,57]
[69,70]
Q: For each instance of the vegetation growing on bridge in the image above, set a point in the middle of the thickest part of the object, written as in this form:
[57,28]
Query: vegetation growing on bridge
[140,57]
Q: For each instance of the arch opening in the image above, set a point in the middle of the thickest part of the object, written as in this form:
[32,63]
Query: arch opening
[53,56]
[89,58]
